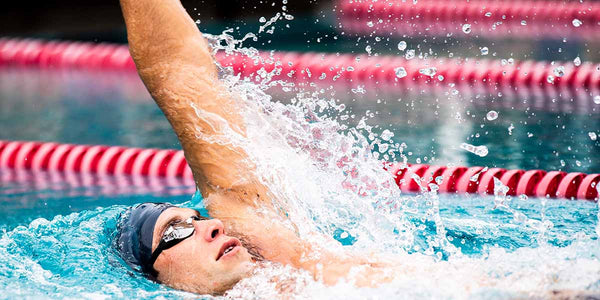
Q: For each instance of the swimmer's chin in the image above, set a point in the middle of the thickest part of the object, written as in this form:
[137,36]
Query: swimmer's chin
[218,287]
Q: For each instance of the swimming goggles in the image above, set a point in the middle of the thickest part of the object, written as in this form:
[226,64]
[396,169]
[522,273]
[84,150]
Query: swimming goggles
[175,234]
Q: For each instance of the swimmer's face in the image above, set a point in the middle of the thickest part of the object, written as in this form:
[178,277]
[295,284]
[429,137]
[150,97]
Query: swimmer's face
[201,263]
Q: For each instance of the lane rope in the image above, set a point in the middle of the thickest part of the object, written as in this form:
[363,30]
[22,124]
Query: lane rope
[487,75]
[117,160]
[485,18]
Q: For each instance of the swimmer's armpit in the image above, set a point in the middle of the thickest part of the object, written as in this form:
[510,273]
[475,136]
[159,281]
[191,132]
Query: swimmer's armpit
[175,63]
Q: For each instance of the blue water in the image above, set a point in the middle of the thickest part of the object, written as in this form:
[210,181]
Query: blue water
[56,243]
[56,232]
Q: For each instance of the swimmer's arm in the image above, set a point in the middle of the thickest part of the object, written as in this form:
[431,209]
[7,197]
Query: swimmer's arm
[175,63]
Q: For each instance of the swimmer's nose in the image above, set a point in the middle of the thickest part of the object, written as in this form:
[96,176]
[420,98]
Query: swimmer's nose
[213,228]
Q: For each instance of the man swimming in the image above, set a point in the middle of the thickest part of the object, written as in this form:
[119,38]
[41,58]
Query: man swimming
[177,246]
[180,248]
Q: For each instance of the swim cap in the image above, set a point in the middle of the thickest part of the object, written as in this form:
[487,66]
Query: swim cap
[135,233]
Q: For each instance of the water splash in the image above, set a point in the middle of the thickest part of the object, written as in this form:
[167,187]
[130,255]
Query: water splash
[477,150]
[329,179]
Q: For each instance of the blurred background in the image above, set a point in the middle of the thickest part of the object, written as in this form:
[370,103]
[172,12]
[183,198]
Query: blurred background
[101,20]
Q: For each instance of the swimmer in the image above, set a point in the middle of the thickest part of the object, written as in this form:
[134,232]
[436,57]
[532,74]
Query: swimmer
[182,249]
[176,246]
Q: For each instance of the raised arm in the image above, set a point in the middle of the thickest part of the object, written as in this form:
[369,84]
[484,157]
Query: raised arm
[175,64]
[174,61]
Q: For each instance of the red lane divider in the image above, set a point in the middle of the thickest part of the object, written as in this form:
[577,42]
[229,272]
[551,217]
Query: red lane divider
[485,74]
[462,180]
[105,160]
[487,18]
[102,160]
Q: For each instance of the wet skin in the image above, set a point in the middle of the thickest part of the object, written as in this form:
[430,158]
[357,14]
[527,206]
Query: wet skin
[174,61]
[200,263]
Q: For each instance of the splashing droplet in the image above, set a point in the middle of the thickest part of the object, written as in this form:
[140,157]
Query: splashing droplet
[410,54]
[488,14]
[400,72]
[477,150]
[550,79]
[368,49]
[466,28]
[492,115]
[484,50]
[386,135]
[370,24]
[559,71]
[524,23]
[428,71]
[577,61]
[262,19]
[597,99]
[577,22]
[593,135]
[402,45]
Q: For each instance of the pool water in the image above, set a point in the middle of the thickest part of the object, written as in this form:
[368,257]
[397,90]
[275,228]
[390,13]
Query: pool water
[57,229]
[56,243]
[52,102]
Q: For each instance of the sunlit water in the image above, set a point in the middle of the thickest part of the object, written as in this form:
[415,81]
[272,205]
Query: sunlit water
[321,159]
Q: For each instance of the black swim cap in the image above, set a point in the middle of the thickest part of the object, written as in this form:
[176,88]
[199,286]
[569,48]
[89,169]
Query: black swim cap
[135,233]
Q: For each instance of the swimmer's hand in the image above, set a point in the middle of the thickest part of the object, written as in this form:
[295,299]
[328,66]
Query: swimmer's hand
[175,63]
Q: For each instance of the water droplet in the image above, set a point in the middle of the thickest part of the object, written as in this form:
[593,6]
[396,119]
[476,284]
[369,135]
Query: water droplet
[484,51]
[359,90]
[400,72]
[492,115]
[350,68]
[344,235]
[593,135]
[523,22]
[410,54]
[402,45]
[383,148]
[368,49]
[550,79]
[597,99]
[386,135]
[488,14]
[577,22]
[466,28]
[481,151]
[262,19]
[370,24]
[428,71]
[440,77]
[559,71]
[577,61]
[477,150]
